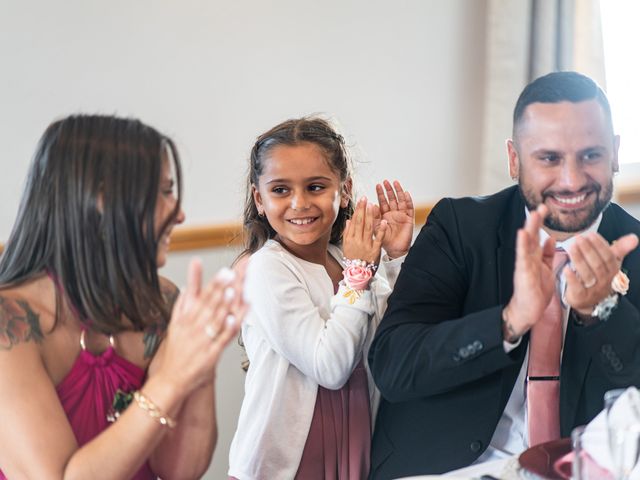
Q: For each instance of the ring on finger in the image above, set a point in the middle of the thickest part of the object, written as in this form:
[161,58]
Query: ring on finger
[590,284]
[210,331]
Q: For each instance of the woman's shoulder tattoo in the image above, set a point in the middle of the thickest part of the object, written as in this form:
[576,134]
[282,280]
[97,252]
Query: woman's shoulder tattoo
[18,323]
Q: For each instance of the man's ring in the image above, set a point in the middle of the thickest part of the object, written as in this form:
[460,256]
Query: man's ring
[591,283]
[210,331]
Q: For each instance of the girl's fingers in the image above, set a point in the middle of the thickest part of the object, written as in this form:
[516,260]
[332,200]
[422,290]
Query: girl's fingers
[398,186]
[368,222]
[380,234]
[357,222]
[377,216]
[382,200]
[391,195]
[347,230]
[400,194]
[408,203]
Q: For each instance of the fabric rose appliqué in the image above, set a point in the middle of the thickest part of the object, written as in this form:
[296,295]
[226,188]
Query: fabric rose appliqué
[620,283]
[357,277]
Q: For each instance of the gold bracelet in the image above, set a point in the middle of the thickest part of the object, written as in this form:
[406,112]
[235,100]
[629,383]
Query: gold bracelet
[152,409]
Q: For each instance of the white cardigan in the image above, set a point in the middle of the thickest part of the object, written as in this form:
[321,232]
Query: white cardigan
[298,335]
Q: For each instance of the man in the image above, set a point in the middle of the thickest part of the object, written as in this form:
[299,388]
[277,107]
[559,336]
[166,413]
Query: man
[483,332]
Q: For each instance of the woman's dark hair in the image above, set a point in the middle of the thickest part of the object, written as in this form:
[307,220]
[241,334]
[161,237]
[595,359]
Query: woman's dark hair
[86,218]
[291,133]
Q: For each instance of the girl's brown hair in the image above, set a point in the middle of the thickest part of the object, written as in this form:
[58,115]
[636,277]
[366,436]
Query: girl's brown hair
[290,133]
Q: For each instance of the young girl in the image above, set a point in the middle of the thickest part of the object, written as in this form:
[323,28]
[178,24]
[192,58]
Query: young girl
[85,319]
[308,400]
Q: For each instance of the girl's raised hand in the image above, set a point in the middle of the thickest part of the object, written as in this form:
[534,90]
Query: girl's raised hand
[396,207]
[360,240]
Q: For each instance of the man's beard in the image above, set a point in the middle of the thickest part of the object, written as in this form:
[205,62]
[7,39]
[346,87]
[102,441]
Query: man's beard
[580,221]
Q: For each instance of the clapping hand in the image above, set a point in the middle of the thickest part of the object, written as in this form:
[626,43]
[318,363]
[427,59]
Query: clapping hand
[359,240]
[205,319]
[594,263]
[533,279]
[396,208]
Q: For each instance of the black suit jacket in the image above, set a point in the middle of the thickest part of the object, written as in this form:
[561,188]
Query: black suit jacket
[438,356]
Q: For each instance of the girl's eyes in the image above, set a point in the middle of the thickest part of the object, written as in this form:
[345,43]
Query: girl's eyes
[316,187]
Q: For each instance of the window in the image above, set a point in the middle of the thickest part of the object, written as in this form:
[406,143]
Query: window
[621,37]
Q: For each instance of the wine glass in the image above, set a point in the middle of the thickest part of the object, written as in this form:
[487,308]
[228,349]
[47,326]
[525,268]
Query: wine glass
[623,429]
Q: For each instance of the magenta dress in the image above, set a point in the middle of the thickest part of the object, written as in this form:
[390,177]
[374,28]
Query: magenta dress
[87,392]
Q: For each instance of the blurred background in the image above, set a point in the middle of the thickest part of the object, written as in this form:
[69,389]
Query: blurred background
[423,91]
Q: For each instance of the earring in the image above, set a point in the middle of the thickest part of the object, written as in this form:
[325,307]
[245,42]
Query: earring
[261,213]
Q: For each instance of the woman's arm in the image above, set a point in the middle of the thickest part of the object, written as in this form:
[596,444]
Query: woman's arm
[37,440]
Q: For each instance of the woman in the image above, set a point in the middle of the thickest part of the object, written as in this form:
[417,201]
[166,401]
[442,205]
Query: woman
[86,324]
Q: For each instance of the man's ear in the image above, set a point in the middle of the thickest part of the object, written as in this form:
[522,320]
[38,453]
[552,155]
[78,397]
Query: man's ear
[514,161]
[345,195]
[257,199]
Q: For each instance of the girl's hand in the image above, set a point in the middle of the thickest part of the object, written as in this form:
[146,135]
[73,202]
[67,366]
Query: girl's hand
[203,322]
[359,240]
[396,207]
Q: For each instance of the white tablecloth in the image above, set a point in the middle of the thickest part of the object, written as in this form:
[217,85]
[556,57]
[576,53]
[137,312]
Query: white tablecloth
[505,469]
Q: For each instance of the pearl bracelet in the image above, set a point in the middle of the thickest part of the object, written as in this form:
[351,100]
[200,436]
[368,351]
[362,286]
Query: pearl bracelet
[359,263]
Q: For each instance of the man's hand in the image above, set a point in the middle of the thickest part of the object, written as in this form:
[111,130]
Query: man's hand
[533,280]
[594,264]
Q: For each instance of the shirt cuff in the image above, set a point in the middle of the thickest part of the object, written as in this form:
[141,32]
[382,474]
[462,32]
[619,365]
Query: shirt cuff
[508,346]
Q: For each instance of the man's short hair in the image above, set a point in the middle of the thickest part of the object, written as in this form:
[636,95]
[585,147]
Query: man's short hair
[558,87]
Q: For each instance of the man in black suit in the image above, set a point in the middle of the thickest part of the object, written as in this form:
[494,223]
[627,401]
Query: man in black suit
[450,356]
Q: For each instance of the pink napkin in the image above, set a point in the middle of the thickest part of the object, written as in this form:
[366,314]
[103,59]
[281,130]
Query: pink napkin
[595,439]
[563,467]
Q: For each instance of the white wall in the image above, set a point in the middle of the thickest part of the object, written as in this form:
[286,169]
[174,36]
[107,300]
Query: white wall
[403,78]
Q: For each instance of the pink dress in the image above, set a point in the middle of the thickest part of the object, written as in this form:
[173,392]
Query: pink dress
[339,442]
[87,392]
